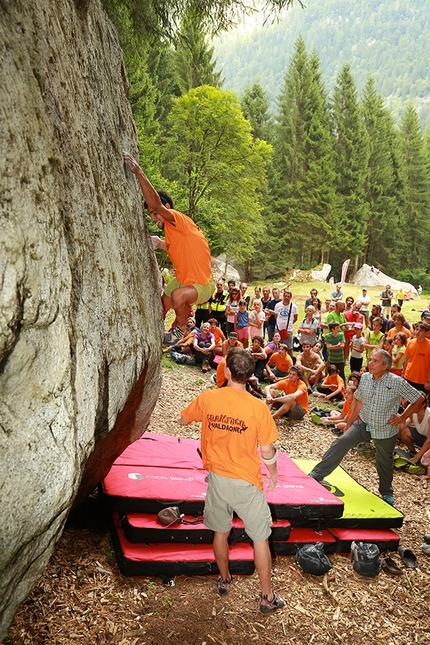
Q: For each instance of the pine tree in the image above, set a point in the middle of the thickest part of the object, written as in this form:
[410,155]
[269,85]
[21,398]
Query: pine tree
[194,62]
[256,108]
[351,155]
[417,191]
[384,231]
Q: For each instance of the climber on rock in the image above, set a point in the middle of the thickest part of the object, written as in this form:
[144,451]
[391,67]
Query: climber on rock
[187,248]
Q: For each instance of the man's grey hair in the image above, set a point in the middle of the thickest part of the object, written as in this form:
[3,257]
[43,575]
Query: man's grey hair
[385,357]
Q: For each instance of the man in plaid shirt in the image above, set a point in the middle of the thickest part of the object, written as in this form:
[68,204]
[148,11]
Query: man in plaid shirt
[374,416]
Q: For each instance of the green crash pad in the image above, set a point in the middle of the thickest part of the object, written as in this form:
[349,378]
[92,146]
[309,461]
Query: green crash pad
[362,509]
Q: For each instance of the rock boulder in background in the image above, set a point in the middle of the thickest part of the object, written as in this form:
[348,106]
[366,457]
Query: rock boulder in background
[80,319]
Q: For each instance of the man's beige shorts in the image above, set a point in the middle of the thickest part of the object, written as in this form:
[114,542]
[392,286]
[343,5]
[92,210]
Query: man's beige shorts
[226,495]
[204,292]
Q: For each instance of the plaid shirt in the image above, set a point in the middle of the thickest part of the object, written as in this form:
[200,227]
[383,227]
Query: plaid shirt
[381,400]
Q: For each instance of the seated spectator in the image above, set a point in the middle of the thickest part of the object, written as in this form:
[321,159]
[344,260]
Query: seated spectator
[308,327]
[184,344]
[398,353]
[259,355]
[338,418]
[273,345]
[415,431]
[335,342]
[232,309]
[357,348]
[232,341]
[311,364]
[203,347]
[398,325]
[220,377]
[289,396]
[242,323]
[218,335]
[278,364]
[256,319]
[333,386]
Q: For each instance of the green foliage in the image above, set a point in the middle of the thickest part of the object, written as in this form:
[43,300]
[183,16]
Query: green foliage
[194,57]
[256,108]
[385,39]
[211,153]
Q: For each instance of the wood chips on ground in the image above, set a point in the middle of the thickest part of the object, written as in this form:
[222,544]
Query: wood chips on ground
[82,599]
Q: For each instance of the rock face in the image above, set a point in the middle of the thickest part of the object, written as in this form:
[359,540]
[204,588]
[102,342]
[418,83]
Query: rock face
[321,276]
[80,314]
[368,276]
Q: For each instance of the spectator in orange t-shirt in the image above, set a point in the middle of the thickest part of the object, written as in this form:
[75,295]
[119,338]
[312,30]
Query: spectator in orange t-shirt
[278,364]
[218,335]
[333,386]
[416,368]
[186,247]
[293,399]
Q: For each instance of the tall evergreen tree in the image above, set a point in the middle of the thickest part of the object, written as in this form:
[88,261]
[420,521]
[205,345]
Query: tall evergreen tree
[351,156]
[304,198]
[194,61]
[384,230]
[256,108]
[417,191]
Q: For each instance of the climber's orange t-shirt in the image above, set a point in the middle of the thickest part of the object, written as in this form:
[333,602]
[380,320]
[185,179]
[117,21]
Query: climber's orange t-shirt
[188,250]
[233,424]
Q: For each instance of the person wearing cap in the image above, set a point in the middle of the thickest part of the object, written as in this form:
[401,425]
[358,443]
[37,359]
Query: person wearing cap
[364,302]
[232,341]
[357,348]
[186,246]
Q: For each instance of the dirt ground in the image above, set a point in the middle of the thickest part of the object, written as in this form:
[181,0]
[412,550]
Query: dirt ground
[82,598]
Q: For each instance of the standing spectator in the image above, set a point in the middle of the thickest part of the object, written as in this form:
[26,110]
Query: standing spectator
[235,483]
[313,296]
[232,309]
[265,299]
[374,416]
[338,293]
[374,337]
[377,312]
[419,291]
[353,315]
[256,319]
[243,287]
[308,327]
[357,348]
[395,309]
[400,295]
[386,297]
[256,296]
[416,369]
[338,314]
[231,285]
[286,313]
[218,305]
[398,321]
[335,342]
[270,317]
[242,323]
[399,353]
[364,302]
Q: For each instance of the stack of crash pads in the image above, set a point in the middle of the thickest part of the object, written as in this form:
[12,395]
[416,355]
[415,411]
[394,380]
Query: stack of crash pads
[158,471]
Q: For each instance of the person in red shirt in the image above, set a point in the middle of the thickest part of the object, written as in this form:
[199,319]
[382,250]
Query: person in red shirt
[292,398]
[186,247]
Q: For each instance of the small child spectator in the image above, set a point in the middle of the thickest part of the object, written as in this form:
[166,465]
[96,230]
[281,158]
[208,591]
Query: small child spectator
[339,418]
[333,386]
[357,348]
[242,323]
[399,353]
[218,335]
[335,342]
[374,336]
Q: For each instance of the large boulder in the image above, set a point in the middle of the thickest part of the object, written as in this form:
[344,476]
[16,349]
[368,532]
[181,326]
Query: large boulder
[80,319]
[322,274]
[368,276]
